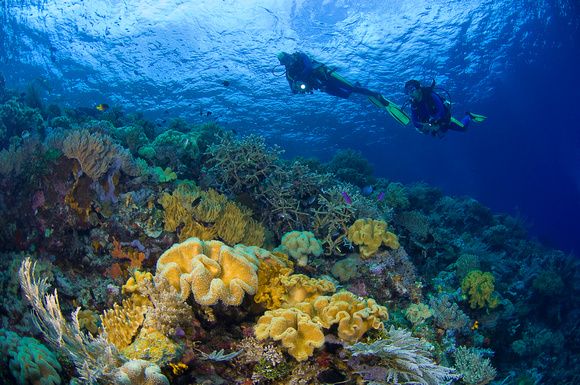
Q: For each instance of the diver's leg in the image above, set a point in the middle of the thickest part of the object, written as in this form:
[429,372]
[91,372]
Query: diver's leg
[464,122]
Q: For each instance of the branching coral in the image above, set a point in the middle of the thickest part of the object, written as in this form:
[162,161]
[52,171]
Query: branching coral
[284,191]
[475,369]
[398,359]
[120,324]
[167,310]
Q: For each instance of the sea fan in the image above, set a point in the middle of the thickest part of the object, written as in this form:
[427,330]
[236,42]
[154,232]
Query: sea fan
[399,359]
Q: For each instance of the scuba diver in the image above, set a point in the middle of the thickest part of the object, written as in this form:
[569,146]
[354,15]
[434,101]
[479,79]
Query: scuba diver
[431,113]
[305,74]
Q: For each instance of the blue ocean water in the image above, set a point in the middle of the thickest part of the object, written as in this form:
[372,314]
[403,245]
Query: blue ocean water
[515,61]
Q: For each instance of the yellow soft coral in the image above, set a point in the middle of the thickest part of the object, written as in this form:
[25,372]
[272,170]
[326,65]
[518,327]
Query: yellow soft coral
[210,270]
[207,215]
[132,287]
[369,235]
[480,288]
[121,323]
[300,288]
[88,320]
[294,328]
[354,315]
[299,245]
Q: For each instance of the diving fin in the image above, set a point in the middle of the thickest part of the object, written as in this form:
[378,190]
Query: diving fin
[477,118]
[397,113]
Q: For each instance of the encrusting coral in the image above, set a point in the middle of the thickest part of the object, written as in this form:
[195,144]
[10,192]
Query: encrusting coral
[299,245]
[210,270]
[369,235]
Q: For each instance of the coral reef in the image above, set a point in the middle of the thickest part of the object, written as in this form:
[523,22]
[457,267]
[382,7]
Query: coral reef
[116,236]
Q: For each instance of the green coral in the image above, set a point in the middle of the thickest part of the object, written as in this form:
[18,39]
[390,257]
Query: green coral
[273,372]
[29,361]
[548,283]
[479,287]
[350,166]
[163,175]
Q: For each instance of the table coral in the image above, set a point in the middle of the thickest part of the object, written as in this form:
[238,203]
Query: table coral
[210,270]
[479,287]
[299,245]
[369,235]
[294,328]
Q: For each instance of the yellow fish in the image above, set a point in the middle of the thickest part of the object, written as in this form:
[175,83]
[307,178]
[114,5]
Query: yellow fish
[103,107]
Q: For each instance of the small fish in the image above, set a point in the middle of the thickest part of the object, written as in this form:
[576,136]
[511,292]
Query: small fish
[166,111]
[234,132]
[381,195]
[196,201]
[208,113]
[226,83]
[346,198]
[366,191]
[103,107]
